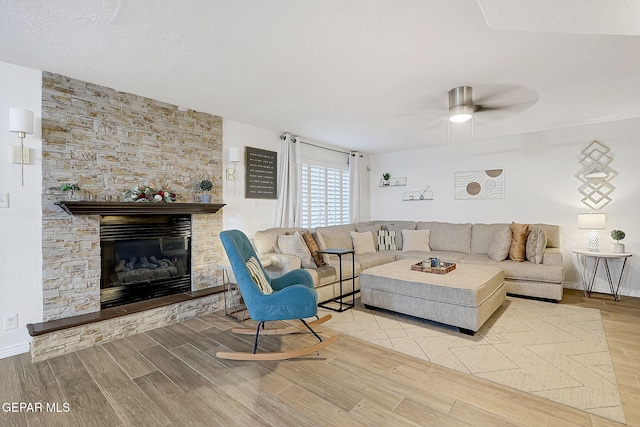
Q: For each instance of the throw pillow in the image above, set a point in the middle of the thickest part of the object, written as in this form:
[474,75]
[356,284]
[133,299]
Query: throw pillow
[398,229]
[416,240]
[536,244]
[519,233]
[258,276]
[387,240]
[372,228]
[500,244]
[294,245]
[362,242]
[313,246]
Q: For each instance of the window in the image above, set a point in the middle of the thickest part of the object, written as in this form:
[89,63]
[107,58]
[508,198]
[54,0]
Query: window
[324,194]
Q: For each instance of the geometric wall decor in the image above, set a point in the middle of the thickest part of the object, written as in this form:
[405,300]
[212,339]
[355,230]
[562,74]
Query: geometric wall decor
[596,175]
[482,184]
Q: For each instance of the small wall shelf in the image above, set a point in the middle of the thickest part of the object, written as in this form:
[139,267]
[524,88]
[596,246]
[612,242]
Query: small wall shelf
[410,196]
[394,182]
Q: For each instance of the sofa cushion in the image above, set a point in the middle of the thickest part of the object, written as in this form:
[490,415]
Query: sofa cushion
[266,240]
[374,259]
[500,243]
[514,270]
[448,236]
[363,242]
[482,236]
[415,240]
[293,244]
[336,236]
[536,244]
[313,246]
[519,233]
[387,240]
[323,275]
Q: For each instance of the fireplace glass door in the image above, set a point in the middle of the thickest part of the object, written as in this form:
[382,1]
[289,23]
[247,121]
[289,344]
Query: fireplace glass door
[144,257]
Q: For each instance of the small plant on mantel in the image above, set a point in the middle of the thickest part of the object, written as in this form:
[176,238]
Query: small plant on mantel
[385,178]
[206,185]
[71,188]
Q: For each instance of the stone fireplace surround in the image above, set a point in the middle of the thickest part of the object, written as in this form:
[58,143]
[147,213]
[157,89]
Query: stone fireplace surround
[107,141]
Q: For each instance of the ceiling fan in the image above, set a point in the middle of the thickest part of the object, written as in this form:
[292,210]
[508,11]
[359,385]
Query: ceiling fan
[504,98]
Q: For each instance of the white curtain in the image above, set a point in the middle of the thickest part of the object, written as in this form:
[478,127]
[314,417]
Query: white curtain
[288,209]
[354,186]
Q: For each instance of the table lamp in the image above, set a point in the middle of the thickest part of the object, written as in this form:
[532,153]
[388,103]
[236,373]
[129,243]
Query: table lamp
[592,222]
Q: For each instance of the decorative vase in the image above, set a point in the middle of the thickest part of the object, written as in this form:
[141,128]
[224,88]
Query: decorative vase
[385,182]
[617,248]
[206,198]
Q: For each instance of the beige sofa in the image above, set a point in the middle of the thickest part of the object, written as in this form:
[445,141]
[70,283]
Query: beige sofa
[459,243]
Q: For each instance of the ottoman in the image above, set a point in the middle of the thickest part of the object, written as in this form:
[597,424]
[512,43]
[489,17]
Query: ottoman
[465,297]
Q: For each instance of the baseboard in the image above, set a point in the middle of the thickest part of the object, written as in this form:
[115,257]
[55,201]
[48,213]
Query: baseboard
[14,350]
[604,289]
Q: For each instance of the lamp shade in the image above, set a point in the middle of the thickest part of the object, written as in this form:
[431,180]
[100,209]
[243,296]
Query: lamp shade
[20,120]
[591,221]
[234,155]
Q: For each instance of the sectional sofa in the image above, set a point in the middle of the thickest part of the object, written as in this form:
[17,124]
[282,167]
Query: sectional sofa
[459,243]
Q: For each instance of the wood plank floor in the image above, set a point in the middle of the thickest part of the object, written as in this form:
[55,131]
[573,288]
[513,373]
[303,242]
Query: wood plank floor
[170,377]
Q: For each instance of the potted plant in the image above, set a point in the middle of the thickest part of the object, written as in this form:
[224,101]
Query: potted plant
[385,178]
[71,188]
[617,235]
[206,185]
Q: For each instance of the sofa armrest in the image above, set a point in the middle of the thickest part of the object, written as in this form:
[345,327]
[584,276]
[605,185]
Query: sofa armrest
[280,263]
[552,256]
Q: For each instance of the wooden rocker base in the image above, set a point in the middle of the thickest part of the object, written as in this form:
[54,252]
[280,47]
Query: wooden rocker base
[235,355]
[284,331]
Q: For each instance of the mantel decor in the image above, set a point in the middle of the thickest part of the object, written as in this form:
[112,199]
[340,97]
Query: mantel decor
[126,208]
[149,195]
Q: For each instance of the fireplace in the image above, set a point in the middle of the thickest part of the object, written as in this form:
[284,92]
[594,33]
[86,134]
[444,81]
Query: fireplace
[143,257]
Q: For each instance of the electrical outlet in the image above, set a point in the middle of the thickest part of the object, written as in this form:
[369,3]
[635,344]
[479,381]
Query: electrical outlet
[10,321]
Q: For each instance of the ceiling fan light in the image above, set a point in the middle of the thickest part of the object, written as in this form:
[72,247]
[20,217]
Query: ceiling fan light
[460,113]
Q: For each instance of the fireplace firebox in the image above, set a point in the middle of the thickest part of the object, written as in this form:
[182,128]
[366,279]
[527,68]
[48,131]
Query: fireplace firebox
[144,257]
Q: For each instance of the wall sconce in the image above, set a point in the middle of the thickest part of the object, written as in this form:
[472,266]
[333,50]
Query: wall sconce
[234,157]
[21,122]
[592,222]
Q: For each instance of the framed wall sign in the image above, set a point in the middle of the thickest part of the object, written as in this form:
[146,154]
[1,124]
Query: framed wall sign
[261,180]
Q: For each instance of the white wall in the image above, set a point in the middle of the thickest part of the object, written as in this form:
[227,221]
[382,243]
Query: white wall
[20,224]
[539,181]
[255,214]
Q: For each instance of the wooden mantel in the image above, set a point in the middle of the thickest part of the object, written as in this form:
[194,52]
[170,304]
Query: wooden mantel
[133,208]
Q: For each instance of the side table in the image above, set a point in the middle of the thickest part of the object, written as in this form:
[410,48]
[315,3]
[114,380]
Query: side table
[234,307]
[342,306]
[588,279]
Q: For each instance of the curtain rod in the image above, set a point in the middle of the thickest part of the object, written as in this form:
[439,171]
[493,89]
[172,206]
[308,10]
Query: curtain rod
[297,139]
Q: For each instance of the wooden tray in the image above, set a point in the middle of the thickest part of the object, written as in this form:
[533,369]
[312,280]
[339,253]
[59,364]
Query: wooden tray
[446,268]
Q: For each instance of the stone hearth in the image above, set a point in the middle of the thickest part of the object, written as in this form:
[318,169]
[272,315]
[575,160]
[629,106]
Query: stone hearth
[107,141]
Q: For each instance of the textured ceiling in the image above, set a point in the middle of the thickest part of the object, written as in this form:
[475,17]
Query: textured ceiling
[371,75]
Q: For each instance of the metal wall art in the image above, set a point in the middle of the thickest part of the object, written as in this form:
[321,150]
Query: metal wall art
[596,175]
[482,184]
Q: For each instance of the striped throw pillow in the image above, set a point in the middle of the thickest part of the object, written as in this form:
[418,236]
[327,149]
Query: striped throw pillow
[258,276]
[387,240]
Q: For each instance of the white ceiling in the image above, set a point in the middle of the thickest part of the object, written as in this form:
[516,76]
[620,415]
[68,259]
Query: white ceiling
[371,75]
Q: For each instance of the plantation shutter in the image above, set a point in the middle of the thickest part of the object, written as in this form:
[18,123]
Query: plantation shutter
[325,194]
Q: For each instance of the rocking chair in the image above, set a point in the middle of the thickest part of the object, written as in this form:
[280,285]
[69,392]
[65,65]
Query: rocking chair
[288,297]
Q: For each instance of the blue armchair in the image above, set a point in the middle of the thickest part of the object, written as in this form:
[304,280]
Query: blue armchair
[293,297]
